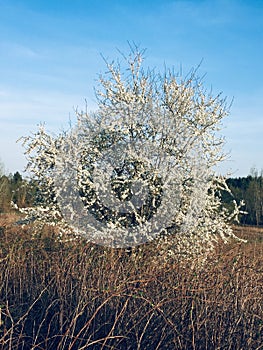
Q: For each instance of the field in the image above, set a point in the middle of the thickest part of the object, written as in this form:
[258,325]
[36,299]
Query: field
[75,295]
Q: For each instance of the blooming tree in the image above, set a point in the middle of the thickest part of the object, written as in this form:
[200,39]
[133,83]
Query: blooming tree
[141,166]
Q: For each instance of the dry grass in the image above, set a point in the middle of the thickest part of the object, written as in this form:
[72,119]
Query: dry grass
[76,295]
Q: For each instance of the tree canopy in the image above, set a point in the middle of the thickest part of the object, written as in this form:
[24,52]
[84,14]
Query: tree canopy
[141,166]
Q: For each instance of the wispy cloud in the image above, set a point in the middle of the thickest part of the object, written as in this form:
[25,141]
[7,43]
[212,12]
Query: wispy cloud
[18,50]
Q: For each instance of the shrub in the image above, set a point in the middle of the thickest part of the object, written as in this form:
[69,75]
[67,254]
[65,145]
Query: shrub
[141,166]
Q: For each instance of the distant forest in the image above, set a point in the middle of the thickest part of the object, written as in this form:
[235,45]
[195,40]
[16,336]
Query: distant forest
[14,188]
[249,189]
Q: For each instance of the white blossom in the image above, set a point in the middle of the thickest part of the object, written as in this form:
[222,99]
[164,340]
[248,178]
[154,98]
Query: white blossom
[141,166]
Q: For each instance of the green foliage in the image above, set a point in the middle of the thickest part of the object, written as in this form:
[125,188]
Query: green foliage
[249,189]
[14,189]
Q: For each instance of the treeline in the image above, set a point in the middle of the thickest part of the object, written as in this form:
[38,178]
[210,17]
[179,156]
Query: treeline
[14,188]
[250,190]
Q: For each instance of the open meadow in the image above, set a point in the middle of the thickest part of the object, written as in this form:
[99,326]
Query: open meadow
[76,295]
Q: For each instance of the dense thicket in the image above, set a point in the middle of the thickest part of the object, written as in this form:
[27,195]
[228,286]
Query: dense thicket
[74,295]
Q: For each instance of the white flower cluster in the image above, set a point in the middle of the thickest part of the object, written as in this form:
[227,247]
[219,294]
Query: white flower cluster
[141,166]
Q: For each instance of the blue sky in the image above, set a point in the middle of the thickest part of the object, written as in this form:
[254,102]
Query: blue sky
[50,60]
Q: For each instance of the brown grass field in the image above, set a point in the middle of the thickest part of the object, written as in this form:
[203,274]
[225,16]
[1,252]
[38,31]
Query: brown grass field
[75,295]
